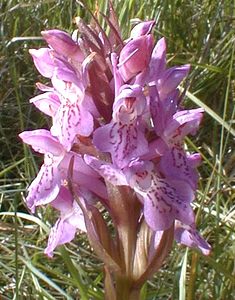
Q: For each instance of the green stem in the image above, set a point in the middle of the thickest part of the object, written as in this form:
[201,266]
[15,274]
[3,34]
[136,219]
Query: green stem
[125,289]
[192,277]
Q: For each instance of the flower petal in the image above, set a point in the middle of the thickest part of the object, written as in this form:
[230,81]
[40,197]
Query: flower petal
[76,217]
[164,200]
[43,60]
[171,79]
[62,232]
[142,28]
[195,160]
[71,119]
[42,141]
[124,141]
[163,204]
[175,164]
[183,123]
[45,187]
[188,236]
[96,186]
[69,209]
[157,63]
[107,171]
[135,56]
[48,103]
[64,201]
[63,44]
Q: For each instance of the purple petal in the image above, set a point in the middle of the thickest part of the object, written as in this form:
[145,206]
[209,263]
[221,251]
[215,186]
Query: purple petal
[156,149]
[49,64]
[195,160]
[107,171]
[62,232]
[44,88]
[185,116]
[83,175]
[63,201]
[42,141]
[76,218]
[79,164]
[124,141]
[158,60]
[162,111]
[175,164]
[124,137]
[130,101]
[45,187]
[67,82]
[71,219]
[157,110]
[69,209]
[48,103]
[43,60]
[188,236]
[142,28]
[183,189]
[171,103]
[159,215]
[63,44]
[163,204]
[91,184]
[164,200]
[71,119]
[139,175]
[183,123]
[171,79]
[135,56]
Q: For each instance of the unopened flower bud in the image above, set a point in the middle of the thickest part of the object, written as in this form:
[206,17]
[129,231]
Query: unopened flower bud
[63,44]
[135,56]
[142,28]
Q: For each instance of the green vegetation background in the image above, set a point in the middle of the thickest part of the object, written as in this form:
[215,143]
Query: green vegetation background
[198,32]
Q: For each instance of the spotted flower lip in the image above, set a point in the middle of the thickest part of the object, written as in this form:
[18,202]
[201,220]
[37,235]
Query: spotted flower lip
[116,112]
[70,108]
[48,183]
[124,136]
[72,116]
[164,199]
